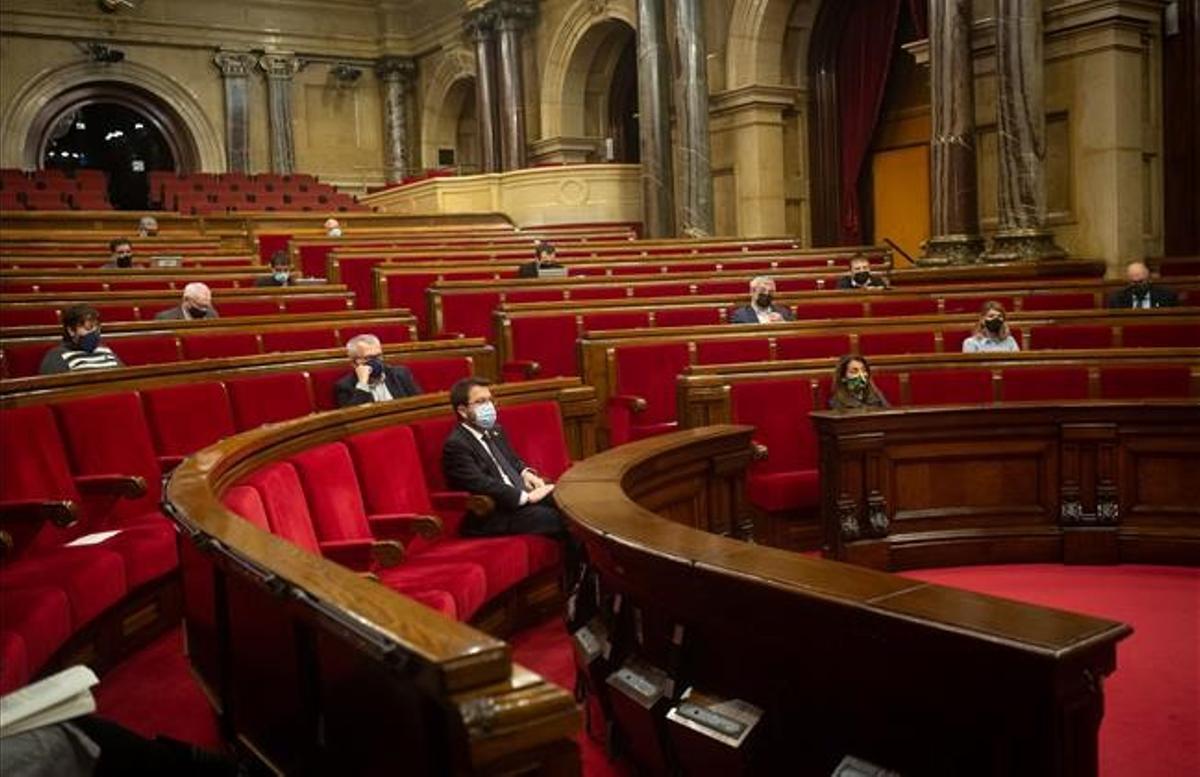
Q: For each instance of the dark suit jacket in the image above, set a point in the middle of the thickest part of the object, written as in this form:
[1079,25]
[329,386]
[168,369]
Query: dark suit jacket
[399,380]
[845,282]
[269,280]
[1160,297]
[530,269]
[468,467]
[176,314]
[746,315]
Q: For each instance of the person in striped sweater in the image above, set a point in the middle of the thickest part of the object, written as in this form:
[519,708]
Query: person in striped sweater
[80,348]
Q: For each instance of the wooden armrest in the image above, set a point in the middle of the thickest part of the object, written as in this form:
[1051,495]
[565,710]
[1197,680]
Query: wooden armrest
[449,502]
[405,525]
[758,451]
[480,506]
[355,554]
[126,486]
[387,553]
[628,402]
[58,512]
[525,368]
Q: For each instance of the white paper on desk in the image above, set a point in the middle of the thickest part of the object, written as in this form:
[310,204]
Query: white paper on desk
[92,539]
[59,697]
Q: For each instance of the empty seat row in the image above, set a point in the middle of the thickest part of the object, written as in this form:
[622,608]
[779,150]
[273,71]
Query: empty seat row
[339,500]
[53,199]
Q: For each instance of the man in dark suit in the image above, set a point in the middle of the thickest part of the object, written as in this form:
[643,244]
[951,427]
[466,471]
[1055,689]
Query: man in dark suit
[762,308]
[543,258]
[373,380]
[196,305]
[477,458]
[1141,293]
[860,276]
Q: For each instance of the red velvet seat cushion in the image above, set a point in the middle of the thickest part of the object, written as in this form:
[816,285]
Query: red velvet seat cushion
[543,552]
[441,601]
[535,431]
[687,316]
[312,304]
[812,346]
[875,343]
[14,660]
[1161,336]
[244,500]
[649,372]
[249,307]
[547,340]
[323,383]
[219,346]
[92,578]
[332,491]
[147,545]
[268,399]
[440,374]
[1146,381]
[465,582]
[1059,301]
[392,477]
[950,387]
[283,501]
[185,418]
[151,349]
[1028,384]
[1066,336]
[504,560]
[813,310]
[470,313]
[786,479]
[387,333]
[733,351]
[23,360]
[973,304]
[594,322]
[309,339]
[35,468]
[430,436]
[41,616]
[904,307]
[784,491]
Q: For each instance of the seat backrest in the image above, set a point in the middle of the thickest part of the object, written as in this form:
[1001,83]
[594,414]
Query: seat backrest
[440,374]
[245,501]
[308,339]
[431,435]
[322,382]
[875,343]
[1058,301]
[387,333]
[219,345]
[147,349]
[310,304]
[331,489]
[392,477]
[269,399]
[812,346]
[1045,384]
[1145,381]
[535,430]
[950,387]
[185,418]
[109,435]
[789,437]
[750,349]
[547,340]
[904,307]
[1160,336]
[594,322]
[23,360]
[687,316]
[1068,336]
[282,498]
[812,310]
[649,372]
[35,467]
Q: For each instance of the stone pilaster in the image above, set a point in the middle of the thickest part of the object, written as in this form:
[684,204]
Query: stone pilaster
[691,94]
[235,67]
[480,26]
[280,68]
[1022,135]
[512,16]
[955,218]
[395,78]
[654,67]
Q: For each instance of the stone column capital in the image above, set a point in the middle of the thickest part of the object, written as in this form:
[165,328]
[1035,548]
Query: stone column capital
[396,69]
[280,66]
[480,24]
[234,64]
[513,14]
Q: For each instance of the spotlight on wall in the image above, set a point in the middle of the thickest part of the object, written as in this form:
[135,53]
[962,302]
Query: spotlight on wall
[98,52]
[345,74]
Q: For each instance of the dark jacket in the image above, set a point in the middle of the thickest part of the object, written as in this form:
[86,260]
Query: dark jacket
[845,282]
[530,269]
[847,401]
[746,315]
[1160,297]
[269,280]
[468,467]
[66,357]
[176,314]
[399,379]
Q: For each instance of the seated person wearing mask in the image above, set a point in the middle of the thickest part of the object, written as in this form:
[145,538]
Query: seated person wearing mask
[1141,293]
[852,386]
[281,272]
[197,304]
[543,258]
[860,276]
[332,228]
[373,380]
[120,252]
[147,226]
[991,332]
[477,458]
[80,348]
[762,308]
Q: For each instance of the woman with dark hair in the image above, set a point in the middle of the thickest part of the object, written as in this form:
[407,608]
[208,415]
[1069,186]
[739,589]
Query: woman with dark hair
[852,386]
[991,333]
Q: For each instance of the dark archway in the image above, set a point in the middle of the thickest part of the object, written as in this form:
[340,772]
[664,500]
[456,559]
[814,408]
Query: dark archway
[124,143]
[623,107]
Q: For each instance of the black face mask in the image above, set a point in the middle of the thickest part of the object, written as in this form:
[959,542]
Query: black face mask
[763,300]
[197,312]
[124,260]
[861,278]
[994,325]
[1140,287]
[376,364]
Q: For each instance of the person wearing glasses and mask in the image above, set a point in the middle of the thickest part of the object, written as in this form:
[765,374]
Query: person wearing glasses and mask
[860,276]
[762,308]
[373,379]
[991,333]
[80,348]
[478,459]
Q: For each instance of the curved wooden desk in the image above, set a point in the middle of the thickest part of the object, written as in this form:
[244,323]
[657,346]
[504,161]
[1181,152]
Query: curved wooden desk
[841,660]
[1097,482]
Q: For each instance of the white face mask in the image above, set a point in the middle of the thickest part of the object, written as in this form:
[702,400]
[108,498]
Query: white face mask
[335,232]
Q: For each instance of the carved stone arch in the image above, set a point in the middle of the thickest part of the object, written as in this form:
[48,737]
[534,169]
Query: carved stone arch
[583,31]
[190,133]
[755,49]
[443,102]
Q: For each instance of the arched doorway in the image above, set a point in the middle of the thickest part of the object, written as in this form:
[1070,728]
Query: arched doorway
[125,143]
[623,106]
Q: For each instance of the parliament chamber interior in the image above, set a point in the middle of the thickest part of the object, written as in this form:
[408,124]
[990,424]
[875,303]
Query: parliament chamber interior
[600,387]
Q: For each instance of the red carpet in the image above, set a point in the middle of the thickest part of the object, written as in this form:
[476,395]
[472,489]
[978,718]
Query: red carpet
[1151,726]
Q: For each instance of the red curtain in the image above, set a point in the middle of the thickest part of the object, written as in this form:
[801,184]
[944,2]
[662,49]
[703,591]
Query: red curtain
[863,60]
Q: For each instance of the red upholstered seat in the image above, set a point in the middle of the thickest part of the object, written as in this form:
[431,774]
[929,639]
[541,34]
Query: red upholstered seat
[470,314]
[185,418]
[811,310]
[111,313]
[248,307]
[323,382]
[1058,301]
[1161,336]
[430,435]
[535,430]
[149,349]
[440,374]
[219,346]
[950,387]
[269,399]
[811,346]
[687,316]
[39,621]
[22,360]
[299,339]
[532,295]
[1068,336]
[93,578]
[387,333]
[876,343]
[594,322]
[660,290]
[974,304]
[732,351]
[28,316]
[1029,384]
[315,304]
[610,292]
[904,307]
[1145,381]
[787,479]
[648,372]
[795,284]
[244,500]
[547,340]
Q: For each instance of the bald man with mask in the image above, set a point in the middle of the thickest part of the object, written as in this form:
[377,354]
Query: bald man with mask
[196,305]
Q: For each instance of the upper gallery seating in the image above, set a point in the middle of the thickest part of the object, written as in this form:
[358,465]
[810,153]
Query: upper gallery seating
[201,193]
[53,189]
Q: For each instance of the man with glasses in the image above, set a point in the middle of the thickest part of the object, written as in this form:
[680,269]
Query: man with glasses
[373,379]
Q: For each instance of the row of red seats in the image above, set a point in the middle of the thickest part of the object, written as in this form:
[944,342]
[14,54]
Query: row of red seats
[23,358]
[54,200]
[787,479]
[49,314]
[645,373]
[337,500]
[53,189]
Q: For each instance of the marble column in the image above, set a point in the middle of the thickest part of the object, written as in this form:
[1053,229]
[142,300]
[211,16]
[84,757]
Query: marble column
[511,17]
[654,120]
[954,221]
[395,77]
[280,68]
[691,95]
[1021,134]
[235,67]
[480,25]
